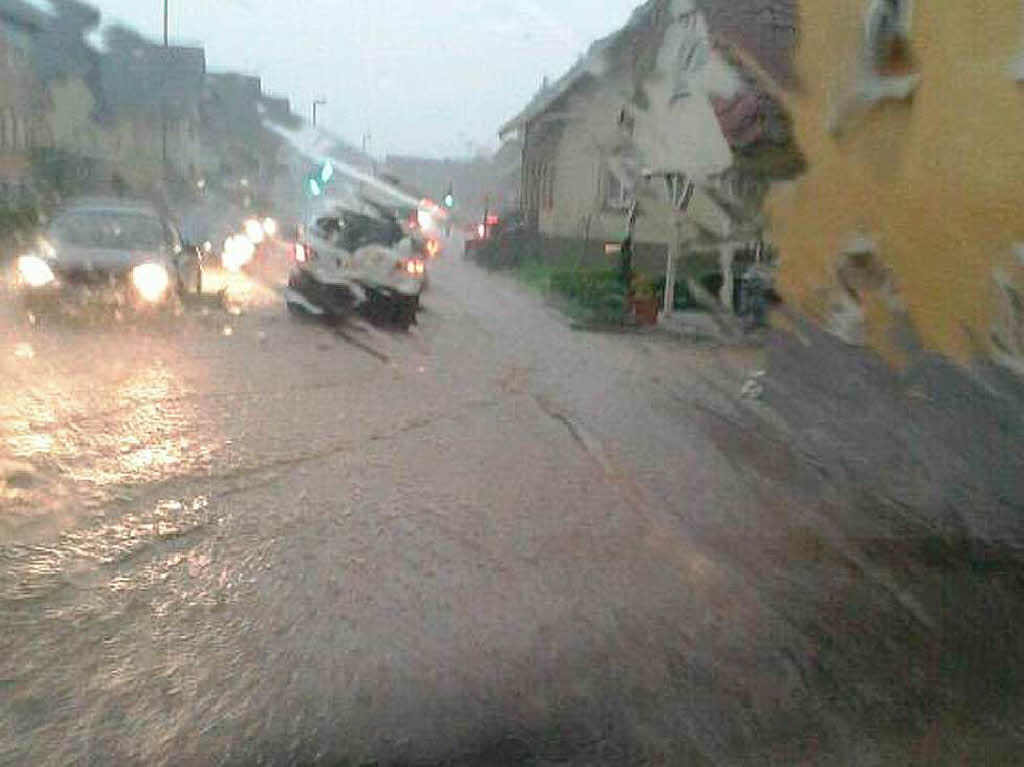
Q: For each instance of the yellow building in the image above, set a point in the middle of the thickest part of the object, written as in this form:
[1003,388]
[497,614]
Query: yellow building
[911,212]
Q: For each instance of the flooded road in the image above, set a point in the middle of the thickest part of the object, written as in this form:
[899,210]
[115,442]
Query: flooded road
[240,538]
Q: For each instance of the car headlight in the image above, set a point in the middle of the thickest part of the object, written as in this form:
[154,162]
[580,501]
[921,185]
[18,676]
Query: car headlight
[254,231]
[270,227]
[151,280]
[34,272]
[238,251]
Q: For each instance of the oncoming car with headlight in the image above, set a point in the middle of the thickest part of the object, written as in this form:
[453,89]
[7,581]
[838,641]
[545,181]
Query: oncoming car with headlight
[108,252]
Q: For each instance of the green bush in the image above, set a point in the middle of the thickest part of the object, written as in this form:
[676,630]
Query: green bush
[683,299]
[597,292]
[508,252]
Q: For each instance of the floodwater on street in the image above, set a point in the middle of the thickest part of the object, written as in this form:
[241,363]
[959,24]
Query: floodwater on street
[238,537]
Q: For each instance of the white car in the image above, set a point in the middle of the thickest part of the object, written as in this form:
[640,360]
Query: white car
[353,262]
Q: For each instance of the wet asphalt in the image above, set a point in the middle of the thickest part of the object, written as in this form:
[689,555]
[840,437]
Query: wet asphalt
[236,537]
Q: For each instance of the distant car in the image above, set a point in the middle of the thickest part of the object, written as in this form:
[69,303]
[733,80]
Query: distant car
[109,252]
[350,261]
[493,227]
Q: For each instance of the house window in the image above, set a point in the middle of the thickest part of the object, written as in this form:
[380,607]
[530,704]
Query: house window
[20,134]
[887,71]
[627,122]
[547,188]
[534,197]
[1008,333]
[694,53]
[887,37]
[616,194]
[9,137]
[1008,318]
[1017,68]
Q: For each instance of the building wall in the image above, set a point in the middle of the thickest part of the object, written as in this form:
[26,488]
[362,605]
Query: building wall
[934,182]
[684,134]
[134,148]
[22,100]
[577,201]
[578,162]
[70,119]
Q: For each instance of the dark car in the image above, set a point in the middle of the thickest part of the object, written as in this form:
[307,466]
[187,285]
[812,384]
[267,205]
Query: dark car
[109,252]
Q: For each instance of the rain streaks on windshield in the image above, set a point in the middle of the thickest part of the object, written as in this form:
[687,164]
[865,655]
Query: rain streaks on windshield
[590,382]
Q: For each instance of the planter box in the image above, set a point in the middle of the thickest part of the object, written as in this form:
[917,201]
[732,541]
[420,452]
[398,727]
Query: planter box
[644,310]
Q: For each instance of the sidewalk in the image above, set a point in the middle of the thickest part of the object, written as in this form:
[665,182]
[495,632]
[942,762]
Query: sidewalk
[938,448]
[704,327]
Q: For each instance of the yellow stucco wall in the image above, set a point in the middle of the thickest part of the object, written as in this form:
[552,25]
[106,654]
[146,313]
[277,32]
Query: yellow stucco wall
[938,181]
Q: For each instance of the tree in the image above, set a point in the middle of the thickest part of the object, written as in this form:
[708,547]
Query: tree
[64,52]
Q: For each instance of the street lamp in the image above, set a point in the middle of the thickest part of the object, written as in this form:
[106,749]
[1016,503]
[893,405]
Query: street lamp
[317,103]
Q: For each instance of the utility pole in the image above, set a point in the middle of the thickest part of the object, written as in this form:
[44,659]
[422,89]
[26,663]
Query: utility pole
[317,103]
[367,141]
[163,95]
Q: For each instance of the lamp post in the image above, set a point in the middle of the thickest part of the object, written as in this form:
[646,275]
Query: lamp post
[317,103]
[163,96]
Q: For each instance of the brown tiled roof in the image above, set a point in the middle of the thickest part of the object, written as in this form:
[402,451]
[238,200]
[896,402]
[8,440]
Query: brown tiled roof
[767,30]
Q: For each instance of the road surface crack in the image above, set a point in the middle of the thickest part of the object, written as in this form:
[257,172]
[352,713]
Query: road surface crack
[337,448]
[587,442]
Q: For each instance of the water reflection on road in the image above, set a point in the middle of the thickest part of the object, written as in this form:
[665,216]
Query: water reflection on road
[101,412]
[271,546]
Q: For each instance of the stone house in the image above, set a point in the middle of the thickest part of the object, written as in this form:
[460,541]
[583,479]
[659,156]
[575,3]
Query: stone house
[69,67]
[657,113]
[150,110]
[234,144]
[905,233]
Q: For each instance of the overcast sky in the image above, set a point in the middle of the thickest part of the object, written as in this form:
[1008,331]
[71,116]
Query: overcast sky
[421,77]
